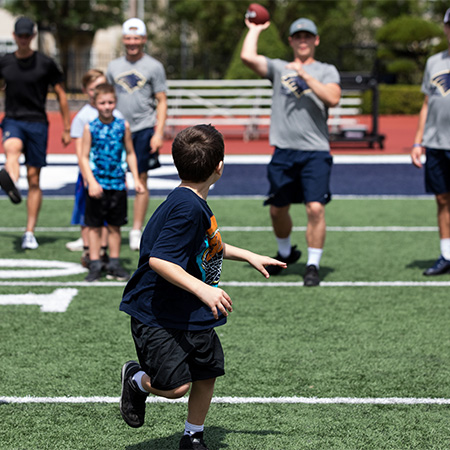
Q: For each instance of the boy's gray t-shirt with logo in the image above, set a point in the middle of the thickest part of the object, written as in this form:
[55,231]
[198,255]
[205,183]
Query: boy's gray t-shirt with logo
[299,118]
[136,84]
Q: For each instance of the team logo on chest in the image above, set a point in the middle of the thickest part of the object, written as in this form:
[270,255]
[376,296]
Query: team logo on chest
[294,84]
[131,81]
[442,81]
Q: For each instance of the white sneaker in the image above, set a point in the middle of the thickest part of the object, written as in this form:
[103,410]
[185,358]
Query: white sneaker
[135,239]
[29,241]
[75,246]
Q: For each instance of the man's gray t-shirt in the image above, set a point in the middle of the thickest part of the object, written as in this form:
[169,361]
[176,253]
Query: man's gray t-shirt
[299,118]
[136,84]
[436,85]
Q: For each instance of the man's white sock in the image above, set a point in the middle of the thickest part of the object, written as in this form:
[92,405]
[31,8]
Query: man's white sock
[314,255]
[445,248]
[284,246]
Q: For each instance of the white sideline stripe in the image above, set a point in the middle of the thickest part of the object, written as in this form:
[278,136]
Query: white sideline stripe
[245,400]
[246,229]
[104,284]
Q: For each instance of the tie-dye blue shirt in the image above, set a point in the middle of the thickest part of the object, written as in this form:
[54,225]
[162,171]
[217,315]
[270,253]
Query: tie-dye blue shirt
[107,157]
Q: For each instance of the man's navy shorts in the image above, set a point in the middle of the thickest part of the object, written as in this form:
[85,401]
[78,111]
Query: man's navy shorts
[34,136]
[298,176]
[437,171]
[141,143]
[172,358]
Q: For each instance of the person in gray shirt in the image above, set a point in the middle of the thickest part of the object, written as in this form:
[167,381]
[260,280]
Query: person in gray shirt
[299,171]
[433,136]
[140,84]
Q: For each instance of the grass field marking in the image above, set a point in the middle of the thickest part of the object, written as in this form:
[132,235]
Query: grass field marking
[50,268]
[265,284]
[57,301]
[250,229]
[243,400]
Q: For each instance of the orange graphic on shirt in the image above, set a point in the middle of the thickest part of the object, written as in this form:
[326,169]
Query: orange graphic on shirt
[214,240]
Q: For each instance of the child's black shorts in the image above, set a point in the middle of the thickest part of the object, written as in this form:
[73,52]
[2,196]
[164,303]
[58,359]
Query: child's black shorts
[172,357]
[110,208]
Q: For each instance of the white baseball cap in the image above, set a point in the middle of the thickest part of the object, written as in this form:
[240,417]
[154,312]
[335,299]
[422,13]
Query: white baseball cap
[447,16]
[134,26]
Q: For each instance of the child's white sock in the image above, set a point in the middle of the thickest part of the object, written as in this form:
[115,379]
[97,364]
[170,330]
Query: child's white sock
[190,428]
[284,246]
[314,255]
[445,248]
[138,378]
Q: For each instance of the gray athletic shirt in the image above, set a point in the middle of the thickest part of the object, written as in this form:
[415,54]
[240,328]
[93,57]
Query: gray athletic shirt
[299,118]
[136,84]
[436,84]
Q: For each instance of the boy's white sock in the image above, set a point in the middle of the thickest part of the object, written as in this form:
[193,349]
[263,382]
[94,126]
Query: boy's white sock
[284,246]
[138,378]
[445,248]
[314,255]
[190,428]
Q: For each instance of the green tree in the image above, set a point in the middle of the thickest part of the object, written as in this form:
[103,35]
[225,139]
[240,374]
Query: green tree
[73,22]
[406,43]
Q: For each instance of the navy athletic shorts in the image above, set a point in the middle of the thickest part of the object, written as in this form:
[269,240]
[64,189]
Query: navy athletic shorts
[298,176]
[437,171]
[110,208]
[34,136]
[173,357]
[141,143]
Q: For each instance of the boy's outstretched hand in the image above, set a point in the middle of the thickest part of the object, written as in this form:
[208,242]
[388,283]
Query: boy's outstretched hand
[260,262]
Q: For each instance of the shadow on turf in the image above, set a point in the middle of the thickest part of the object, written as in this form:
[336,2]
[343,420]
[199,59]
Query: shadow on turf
[214,439]
[421,264]
[42,241]
[299,269]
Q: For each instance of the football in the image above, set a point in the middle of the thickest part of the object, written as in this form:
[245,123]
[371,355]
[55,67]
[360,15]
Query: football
[256,13]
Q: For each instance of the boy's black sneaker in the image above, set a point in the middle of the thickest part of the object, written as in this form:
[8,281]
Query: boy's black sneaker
[95,273]
[193,442]
[311,277]
[117,273]
[291,259]
[9,187]
[132,399]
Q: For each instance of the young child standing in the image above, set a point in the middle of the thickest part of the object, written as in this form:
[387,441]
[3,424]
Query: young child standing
[106,149]
[173,298]
[91,79]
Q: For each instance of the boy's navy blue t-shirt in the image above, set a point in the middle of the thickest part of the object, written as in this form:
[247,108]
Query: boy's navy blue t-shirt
[184,231]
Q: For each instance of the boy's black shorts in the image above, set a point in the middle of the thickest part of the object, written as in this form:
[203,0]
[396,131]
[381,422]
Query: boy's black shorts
[172,357]
[110,208]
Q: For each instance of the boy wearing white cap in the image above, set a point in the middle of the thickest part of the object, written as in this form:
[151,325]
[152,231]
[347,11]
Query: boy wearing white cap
[299,171]
[140,84]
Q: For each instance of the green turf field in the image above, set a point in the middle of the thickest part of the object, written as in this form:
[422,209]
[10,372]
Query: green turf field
[361,362]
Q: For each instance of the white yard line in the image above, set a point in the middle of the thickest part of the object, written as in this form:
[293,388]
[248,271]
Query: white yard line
[414,229]
[245,400]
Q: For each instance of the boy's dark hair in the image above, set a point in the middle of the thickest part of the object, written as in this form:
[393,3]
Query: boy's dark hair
[104,88]
[197,151]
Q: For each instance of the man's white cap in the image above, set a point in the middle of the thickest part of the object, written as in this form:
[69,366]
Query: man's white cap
[134,26]
[447,16]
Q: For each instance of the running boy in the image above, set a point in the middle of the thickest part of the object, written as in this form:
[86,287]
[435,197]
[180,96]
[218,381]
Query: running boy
[173,298]
[91,79]
[106,143]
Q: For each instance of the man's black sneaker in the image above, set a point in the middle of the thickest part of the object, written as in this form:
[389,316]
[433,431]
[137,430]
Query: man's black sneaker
[311,277]
[9,187]
[132,399]
[193,442]
[440,267]
[291,259]
[95,271]
[117,273]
